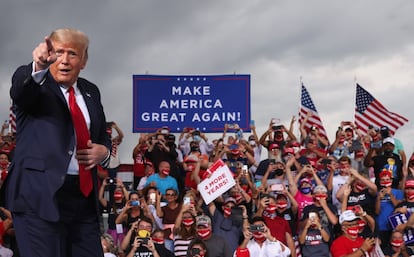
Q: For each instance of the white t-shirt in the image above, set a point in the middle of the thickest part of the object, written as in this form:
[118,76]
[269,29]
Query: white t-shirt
[337,182]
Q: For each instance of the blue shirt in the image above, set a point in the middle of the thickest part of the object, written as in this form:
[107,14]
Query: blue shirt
[163,183]
[387,209]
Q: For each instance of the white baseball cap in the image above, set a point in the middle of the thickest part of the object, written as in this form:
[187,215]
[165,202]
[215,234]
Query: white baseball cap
[389,140]
[347,215]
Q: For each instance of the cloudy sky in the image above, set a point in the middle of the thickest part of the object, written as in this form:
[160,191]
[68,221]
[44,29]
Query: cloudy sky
[327,43]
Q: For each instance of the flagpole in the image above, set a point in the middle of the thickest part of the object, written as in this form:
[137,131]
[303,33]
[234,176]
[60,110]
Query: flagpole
[355,83]
[10,123]
[298,133]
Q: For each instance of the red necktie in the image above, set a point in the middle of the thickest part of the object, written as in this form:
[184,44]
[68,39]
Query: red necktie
[82,137]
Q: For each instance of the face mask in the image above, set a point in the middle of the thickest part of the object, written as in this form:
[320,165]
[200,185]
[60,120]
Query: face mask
[204,233]
[359,154]
[387,152]
[397,242]
[144,233]
[227,212]
[166,172]
[158,241]
[188,222]
[281,204]
[195,149]
[252,142]
[117,196]
[320,196]
[279,172]
[410,196]
[305,190]
[258,236]
[238,197]
[245,187]
[197,138]
[361,225]
[386,183]
[271,208]
[235,152]
[353,231]
[360,186]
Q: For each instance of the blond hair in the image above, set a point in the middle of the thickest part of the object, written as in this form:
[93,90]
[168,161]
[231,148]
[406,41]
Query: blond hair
[73,36]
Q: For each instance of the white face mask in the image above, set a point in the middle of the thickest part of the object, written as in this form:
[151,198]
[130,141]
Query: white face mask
[252,142]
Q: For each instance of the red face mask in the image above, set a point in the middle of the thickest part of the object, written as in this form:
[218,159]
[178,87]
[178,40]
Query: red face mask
[117,196]
[361,225]
[386,183]
[360,186]
[397,242]
[410,195]
[235,152]
[166,172]
[188,222]
[158,241]
[353,231]
[204,233]
[259,237]
[245,187]
[320,196]
[281,204]
[271,208]
[238,197]
[227,212]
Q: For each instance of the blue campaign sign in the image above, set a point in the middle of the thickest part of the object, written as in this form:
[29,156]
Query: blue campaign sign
[401,218]
[201,102]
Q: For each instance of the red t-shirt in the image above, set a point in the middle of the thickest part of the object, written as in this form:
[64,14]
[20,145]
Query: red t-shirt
[344,246]
[1,232]
[139,167]
[278,227]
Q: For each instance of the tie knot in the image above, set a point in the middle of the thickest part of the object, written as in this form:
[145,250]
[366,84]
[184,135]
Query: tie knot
[71,90]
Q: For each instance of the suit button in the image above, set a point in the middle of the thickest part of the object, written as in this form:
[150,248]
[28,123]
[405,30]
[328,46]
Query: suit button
[70,152]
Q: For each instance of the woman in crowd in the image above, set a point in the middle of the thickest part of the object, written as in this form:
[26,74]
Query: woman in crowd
[184,229]
[197,248]
[114,208]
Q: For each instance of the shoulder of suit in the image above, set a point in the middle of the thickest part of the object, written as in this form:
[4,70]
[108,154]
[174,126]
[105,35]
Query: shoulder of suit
[86,83]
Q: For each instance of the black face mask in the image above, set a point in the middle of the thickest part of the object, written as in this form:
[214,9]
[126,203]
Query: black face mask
[388,151]
[195,149]
[278,172]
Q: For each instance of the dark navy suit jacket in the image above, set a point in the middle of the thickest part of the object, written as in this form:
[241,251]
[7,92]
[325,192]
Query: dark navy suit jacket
[45,141]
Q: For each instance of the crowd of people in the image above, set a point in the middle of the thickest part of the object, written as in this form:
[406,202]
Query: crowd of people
[302,197]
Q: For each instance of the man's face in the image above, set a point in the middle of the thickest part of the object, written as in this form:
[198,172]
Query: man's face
[388,147]
[351,229]
[171,196]
[344,166]
[149,170]
[143,225]
[71,59]
[163,168]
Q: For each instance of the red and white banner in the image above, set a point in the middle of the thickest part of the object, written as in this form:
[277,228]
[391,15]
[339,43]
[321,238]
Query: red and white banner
[220,181]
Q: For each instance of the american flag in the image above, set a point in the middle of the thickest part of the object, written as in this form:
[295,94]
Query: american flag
[306,107]
[370,112]
[12,119]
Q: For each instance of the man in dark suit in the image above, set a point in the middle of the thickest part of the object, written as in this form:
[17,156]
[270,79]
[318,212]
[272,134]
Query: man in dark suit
[52,216]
